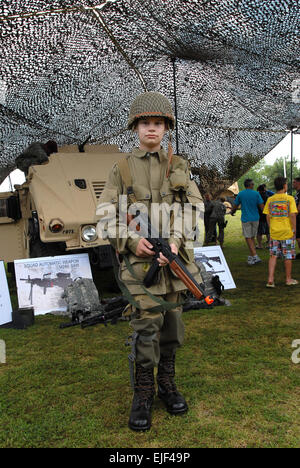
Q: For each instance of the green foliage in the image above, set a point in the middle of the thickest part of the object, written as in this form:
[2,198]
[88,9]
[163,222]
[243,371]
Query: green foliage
[256,173]
[238,165]
[70,388]
[262,173]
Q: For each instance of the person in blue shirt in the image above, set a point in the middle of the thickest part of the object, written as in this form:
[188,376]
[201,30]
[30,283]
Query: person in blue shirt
[250,202]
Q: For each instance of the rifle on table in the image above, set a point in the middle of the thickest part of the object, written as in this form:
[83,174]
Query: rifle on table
[111,316]
[113,311]
[160,245]
[110,310]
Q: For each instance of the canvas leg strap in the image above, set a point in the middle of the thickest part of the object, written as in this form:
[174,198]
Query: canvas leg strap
[131,341]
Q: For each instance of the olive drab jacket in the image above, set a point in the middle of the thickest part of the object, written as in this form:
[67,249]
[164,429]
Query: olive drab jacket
[151,186]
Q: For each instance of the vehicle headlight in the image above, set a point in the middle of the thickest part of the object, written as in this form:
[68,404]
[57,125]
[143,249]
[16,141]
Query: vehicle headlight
[89,233]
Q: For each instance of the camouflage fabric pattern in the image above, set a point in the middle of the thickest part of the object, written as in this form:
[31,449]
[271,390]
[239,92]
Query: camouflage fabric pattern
[82,299]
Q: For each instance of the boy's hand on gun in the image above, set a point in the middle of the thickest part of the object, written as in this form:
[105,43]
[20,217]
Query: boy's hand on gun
[162,260]
[144,249]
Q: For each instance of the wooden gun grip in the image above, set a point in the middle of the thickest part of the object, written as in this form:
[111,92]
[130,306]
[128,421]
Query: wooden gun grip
[186,280]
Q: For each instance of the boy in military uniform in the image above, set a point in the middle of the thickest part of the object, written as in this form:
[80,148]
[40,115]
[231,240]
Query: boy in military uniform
[151,176]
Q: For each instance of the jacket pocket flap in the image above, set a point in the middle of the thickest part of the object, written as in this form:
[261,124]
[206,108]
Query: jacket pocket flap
[141,193]
[109,195]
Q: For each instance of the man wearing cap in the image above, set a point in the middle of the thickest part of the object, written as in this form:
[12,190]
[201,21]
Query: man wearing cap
[153,177]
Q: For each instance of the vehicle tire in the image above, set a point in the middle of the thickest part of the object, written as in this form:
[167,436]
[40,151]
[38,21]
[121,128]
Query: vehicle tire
[11,269]
[105,280]
[114,287]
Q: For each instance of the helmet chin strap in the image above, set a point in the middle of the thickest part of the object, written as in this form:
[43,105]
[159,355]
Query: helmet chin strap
[170,154]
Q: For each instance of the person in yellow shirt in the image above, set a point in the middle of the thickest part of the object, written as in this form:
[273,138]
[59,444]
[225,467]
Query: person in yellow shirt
[281,214]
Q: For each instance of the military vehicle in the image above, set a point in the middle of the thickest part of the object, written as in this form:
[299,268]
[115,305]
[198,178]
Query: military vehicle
[54,211]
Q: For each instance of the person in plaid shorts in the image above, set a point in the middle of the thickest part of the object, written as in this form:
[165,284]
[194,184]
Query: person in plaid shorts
[281,214]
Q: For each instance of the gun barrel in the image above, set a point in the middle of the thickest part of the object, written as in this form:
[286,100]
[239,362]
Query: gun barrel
[93,321]
[69,324]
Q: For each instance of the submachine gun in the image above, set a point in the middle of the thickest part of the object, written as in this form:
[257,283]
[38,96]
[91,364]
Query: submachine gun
[161,245]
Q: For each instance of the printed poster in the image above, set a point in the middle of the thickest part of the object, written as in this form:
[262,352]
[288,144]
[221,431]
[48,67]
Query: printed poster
[5,303]
[214,261]
[41,281]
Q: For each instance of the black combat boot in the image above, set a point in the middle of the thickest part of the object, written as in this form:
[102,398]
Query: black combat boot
[167,391]
[144,391]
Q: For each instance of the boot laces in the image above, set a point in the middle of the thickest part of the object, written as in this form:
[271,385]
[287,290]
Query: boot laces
[144,387]
[166,374]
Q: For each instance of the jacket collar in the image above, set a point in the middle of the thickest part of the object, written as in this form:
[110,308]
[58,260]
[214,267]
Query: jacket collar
[138,153]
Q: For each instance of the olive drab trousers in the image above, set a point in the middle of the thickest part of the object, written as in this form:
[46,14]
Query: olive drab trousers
[158,332]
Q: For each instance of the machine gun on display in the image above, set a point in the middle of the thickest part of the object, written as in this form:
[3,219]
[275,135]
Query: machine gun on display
[61,280]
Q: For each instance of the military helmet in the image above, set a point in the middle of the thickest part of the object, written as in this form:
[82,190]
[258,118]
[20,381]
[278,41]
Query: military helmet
[151,104]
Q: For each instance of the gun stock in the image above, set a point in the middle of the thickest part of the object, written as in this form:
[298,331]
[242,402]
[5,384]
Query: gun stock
[190,283]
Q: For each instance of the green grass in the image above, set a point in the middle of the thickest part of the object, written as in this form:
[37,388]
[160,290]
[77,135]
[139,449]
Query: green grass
[70,388]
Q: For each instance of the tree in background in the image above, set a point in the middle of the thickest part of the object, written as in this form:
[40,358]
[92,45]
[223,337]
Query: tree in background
[262,173]
[256,173]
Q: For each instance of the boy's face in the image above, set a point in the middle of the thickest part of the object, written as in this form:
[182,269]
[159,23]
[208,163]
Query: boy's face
[151,131]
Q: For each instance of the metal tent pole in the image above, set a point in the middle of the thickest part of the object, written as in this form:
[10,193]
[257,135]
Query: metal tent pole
[10,183]
[292,150]
[175,104]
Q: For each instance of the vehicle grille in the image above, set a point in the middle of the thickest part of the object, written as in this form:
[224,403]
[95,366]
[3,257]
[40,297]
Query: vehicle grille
[98,188]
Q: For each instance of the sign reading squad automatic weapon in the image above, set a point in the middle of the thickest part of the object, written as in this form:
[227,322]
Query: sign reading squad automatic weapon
[41,281]
[5,304]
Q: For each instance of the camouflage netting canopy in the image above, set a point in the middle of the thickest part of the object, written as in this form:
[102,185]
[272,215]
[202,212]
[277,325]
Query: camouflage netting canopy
[71,68]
